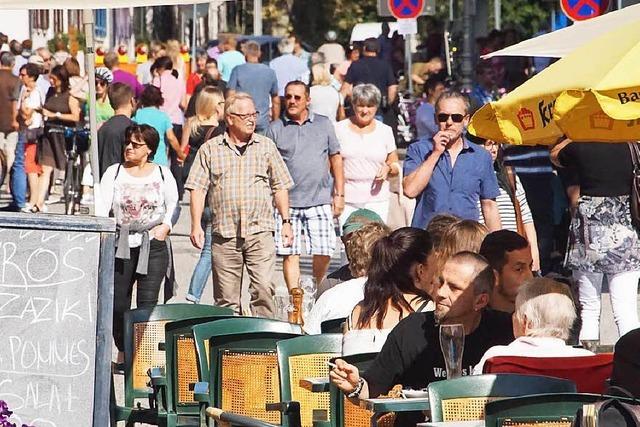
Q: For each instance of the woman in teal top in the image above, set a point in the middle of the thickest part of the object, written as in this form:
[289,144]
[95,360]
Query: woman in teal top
[149,114]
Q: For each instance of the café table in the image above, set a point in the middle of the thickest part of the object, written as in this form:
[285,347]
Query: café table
[315,384]
[381,406]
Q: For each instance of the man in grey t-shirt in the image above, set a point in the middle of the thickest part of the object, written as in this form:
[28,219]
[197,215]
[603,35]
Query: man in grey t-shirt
[259,81]
[310,149]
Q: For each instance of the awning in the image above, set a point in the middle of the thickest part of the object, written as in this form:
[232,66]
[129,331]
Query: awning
[564,41]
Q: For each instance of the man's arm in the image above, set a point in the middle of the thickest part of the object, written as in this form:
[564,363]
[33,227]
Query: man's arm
[414,183]
[196,206]
[491,215]
[281,198]
[275,107]
[337,170]
[392,93]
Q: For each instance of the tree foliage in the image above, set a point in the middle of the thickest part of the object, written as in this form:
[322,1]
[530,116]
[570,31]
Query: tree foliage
[526,16]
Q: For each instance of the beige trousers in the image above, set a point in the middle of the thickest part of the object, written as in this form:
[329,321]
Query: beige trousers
[258,253]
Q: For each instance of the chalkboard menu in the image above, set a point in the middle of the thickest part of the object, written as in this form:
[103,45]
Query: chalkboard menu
[56,280]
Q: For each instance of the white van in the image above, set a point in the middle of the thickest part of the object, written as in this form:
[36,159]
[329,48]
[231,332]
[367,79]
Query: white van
[361,32]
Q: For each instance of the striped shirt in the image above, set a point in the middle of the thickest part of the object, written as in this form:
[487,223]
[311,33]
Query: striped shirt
[240,186]
[507,211]
[528,160]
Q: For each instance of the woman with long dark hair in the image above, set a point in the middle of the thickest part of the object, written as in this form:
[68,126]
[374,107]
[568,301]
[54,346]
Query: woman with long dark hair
[401,266]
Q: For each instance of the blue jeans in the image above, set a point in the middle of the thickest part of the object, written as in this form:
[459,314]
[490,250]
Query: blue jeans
[18,180]
[202,270]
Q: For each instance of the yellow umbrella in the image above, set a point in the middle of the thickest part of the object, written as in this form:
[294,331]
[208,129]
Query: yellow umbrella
[592,94]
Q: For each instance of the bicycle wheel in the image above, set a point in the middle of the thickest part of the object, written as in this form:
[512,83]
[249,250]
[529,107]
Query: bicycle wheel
[68,186]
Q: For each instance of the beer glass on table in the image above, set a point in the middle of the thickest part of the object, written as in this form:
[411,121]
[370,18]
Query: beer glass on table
[452,345]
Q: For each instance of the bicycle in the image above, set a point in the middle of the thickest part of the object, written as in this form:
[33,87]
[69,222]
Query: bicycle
[76,144]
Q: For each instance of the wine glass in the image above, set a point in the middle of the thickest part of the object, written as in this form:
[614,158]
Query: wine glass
[452,346]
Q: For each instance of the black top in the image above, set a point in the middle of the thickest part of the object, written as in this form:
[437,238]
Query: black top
[626,363]
[196,141]
[602,169]
[373,70]
[191,105]
[411,356]
[111,140]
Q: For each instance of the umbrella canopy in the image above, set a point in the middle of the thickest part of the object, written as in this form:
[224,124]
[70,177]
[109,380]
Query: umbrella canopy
[89,4]
[560,43]
[592,94]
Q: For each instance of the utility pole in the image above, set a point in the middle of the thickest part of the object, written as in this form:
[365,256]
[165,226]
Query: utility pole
[468,44]
[257,17]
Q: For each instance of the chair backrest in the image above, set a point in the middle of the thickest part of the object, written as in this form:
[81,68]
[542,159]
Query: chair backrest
[541,410]
[590,373]
[344,413]
[242,370]
[182,364]
[464,399]
[306,357]
[333,326]
[144,331]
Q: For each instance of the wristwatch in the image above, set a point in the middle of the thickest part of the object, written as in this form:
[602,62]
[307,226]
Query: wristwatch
[356,392]
[286,220]
[58,114]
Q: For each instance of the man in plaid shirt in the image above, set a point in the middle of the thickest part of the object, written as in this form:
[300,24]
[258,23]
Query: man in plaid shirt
[244,176]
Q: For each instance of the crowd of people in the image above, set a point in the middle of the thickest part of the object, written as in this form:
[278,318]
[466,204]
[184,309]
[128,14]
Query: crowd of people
[276,157]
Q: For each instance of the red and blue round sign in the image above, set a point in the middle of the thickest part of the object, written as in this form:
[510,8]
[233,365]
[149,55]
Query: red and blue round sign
[580,10]
[405,9]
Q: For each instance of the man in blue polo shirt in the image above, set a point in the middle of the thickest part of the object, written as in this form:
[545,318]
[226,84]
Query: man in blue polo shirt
[447,173]
[310,149]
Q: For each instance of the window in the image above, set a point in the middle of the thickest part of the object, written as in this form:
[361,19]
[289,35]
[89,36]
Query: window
[58,21]
[40,19]
[101,23]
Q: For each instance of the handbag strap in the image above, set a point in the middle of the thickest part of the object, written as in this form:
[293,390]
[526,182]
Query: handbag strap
[511,180]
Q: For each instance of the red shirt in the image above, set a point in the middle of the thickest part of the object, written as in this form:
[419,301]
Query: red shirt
[193,81]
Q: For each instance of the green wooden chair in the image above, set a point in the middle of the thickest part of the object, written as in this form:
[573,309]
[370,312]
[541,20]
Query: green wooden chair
[344,413]
[239,372]
[541,410]
[464,399]
[307,357]
[174,385]
[144,335]
[333,326]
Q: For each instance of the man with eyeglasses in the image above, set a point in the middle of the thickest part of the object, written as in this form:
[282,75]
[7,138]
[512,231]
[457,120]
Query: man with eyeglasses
[448,173]
[244,176]
[311,151]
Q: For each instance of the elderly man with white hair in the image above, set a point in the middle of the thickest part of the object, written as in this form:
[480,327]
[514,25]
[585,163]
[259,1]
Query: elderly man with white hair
[544,315]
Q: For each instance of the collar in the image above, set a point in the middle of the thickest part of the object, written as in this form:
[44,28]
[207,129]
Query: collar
[288,121]
[225,140]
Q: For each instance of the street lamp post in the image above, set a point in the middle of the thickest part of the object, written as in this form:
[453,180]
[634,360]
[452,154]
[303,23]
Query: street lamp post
[257,17]
[468,40]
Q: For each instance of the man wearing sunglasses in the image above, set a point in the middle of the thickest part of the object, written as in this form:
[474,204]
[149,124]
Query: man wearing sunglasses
[311,151]
[448,173]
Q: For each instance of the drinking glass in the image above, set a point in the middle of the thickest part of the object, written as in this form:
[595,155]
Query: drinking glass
[591,345]
[282,306]
[452,345]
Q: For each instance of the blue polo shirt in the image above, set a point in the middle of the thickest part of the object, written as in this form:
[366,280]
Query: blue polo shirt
[456,189]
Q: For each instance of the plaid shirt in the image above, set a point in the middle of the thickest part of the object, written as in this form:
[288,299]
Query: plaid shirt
[240,186]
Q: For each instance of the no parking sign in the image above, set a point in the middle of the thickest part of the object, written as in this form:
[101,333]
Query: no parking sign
[580,10]
[405,9]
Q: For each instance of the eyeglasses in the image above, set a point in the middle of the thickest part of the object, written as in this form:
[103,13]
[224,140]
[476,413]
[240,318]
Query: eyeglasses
[290,96]
[456,118]
[135,145]
[245,116]
[101,83]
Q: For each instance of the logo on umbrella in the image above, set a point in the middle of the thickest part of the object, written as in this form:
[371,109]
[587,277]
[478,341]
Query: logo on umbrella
[525,117]
[600,120]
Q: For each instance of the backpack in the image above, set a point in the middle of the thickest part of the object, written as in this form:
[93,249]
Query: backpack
[610,412]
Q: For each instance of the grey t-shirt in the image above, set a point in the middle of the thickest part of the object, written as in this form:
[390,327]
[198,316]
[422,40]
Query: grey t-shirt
[306,149]
[259,81]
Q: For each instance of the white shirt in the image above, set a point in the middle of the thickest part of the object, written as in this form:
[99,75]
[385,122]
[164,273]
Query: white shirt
[335,303]
[325,101]
[532,347]
[34,100]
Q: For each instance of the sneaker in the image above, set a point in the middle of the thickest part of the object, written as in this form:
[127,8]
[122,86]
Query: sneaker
[53,199]
[87,199]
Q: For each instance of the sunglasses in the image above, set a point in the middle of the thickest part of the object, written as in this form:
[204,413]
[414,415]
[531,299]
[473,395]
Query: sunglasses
[135,145]
[290,96]
[456,118]
[101,83]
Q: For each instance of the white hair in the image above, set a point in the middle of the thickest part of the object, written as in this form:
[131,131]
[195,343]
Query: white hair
[366,94]
[547,308]
[285,45]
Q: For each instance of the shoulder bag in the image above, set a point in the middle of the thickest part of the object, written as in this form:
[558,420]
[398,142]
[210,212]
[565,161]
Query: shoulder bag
[634,199]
